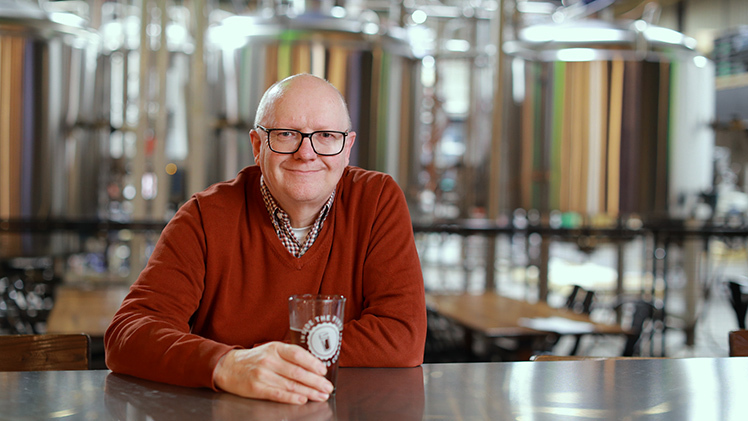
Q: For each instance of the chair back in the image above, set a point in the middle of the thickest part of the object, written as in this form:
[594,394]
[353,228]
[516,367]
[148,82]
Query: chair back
[579,304]
[738,340]
[44,352]
[445,341]
[641,312]
[739,302]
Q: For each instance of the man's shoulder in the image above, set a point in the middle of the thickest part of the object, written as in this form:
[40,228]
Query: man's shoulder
[360,185]
[230,191]
[360,177]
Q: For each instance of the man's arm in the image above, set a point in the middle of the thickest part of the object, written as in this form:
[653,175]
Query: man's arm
[392,329]
[150,336]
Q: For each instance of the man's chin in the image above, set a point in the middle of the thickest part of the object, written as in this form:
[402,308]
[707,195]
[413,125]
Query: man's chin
[310,198]
[308,194]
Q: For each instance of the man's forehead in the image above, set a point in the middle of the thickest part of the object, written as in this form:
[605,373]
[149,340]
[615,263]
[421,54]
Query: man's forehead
[304,85]
[323,104]
[329,121]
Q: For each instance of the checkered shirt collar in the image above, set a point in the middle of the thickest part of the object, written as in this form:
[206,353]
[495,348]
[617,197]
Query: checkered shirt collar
[282,222]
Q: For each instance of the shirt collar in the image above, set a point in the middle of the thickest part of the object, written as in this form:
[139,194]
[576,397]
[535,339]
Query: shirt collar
[276,212]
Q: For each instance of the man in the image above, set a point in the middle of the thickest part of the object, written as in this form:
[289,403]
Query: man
[210,308]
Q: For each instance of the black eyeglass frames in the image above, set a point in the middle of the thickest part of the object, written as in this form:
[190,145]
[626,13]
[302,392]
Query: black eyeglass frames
[288,141]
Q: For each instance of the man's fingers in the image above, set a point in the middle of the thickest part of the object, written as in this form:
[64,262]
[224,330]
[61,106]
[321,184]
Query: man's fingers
[261,382]
[273,385]
[273,371]
[300,356]
[301,368]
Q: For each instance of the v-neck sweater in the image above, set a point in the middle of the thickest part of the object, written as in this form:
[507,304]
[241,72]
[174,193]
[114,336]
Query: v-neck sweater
[219,278]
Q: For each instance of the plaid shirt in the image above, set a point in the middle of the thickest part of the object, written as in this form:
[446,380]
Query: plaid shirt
[282,222]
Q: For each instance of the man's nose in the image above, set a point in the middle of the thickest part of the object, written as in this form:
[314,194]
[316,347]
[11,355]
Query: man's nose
[305,149]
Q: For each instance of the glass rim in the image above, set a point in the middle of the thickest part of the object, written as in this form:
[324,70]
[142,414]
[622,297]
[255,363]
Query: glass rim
[317,297]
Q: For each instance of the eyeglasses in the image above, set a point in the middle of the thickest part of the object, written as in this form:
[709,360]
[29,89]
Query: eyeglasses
[288,141]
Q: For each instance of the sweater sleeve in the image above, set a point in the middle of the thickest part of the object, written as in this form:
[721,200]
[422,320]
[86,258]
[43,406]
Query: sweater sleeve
[149,336]
[391,331]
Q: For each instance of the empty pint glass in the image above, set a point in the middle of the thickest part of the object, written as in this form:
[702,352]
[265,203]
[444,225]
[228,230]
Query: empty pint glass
[317,325]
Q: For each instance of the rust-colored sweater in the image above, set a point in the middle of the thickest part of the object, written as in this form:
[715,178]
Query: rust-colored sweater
[219,278]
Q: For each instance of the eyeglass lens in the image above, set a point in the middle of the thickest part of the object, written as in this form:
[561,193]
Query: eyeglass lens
[323,143]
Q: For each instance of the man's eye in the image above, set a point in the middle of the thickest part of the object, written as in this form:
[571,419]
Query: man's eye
[285,135]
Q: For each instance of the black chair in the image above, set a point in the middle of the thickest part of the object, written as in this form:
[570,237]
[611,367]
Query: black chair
[641,312]
[445,341]
[26,299]
[579,301]
[577,304]
[638,313]
[739,302]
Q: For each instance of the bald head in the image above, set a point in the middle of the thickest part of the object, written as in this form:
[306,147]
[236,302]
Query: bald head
[300,82]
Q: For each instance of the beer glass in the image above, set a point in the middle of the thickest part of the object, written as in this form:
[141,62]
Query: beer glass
[316,323]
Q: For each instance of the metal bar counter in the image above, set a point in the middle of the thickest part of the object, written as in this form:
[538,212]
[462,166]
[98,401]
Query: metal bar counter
[651,389]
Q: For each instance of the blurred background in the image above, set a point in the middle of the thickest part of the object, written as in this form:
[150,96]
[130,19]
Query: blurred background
[541,145]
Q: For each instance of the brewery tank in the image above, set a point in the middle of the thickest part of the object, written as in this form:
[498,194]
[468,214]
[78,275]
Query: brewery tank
[48,112]
[610,121]
[372,66]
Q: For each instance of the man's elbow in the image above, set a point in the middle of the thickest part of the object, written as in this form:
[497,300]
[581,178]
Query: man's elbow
[410,354]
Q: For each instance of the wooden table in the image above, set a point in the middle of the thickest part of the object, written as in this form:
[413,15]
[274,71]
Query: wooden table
[81,309]
[655,389]
[490,315]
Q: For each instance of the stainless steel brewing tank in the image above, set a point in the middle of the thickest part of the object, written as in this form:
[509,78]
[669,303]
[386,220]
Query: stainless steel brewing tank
[612,120]
[47,102]
[377,74]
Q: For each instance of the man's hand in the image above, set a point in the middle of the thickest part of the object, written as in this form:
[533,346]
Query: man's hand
[274,371]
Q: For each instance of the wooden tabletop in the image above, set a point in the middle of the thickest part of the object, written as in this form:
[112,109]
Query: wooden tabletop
[494,315]
[83,309]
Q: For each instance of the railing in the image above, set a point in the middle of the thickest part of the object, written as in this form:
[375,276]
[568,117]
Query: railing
[513,258]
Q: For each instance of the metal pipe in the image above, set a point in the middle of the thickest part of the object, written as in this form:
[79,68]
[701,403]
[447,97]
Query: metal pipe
[196,110]
[160,201]
[495,178]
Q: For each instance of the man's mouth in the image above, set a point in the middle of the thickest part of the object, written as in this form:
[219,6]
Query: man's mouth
[303,171]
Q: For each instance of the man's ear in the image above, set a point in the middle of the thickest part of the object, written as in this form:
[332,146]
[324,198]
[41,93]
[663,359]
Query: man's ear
[349,141]
[256,140]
